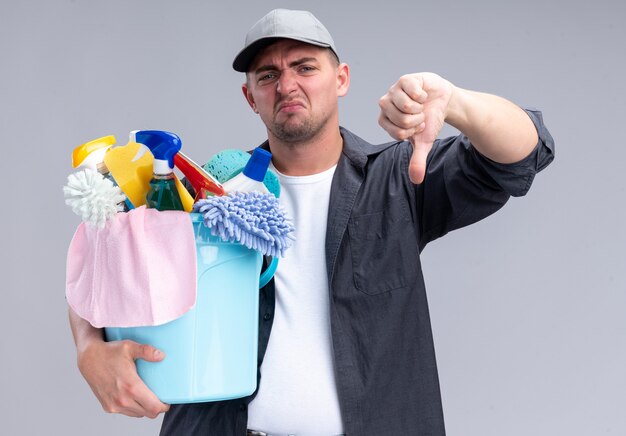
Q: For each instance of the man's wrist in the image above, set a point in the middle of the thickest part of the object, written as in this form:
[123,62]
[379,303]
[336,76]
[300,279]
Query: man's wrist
[457,114]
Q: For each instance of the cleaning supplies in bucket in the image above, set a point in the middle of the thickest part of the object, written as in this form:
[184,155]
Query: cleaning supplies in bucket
[209,332]
[211,351]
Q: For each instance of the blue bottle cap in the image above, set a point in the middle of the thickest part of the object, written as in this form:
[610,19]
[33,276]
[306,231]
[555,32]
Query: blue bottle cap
[257,164]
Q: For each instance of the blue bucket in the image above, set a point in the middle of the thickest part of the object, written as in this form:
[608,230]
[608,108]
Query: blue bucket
[211,351]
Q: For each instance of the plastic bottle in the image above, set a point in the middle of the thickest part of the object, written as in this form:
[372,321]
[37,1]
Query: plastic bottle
[163,194]
[251,178]
[91,155]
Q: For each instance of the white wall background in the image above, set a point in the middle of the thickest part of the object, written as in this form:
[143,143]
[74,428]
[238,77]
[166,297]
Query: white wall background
[527,306]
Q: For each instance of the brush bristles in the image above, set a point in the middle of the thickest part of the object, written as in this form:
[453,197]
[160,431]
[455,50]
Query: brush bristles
[92,197]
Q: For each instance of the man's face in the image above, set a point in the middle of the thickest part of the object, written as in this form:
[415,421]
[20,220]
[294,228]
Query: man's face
[294,87]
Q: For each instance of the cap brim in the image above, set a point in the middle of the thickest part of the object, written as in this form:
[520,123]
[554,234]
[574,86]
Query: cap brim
[246,56]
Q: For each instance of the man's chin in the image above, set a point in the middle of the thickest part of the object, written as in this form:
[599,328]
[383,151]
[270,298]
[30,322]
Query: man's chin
[294,137]
[293,133]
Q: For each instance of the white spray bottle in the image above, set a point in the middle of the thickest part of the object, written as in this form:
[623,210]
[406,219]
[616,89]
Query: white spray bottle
[251,178]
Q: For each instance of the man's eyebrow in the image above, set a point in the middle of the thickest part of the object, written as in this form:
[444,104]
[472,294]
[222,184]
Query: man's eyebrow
[302,61]
[272,67]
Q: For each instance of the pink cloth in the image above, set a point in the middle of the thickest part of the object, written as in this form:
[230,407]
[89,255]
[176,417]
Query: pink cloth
[139,270]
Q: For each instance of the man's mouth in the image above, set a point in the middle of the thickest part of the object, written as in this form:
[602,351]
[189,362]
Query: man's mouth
[290,106]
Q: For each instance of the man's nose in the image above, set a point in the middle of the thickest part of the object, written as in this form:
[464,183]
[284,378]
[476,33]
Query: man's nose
[287,82]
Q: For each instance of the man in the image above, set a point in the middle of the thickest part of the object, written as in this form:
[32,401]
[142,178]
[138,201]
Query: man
[351,349]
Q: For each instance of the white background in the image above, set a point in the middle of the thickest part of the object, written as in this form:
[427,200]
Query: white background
[528,306]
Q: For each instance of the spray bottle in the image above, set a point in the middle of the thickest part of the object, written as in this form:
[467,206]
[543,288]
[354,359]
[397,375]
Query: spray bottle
[251,178]
[163,194]
[90,155]
[197,177]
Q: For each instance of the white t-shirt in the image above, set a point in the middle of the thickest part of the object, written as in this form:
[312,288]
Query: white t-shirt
[297,392]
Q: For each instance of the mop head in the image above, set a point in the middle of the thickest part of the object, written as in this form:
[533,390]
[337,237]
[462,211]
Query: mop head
[92,197]
[252,219]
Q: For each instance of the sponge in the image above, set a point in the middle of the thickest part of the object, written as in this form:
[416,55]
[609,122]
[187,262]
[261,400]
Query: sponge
[130,172]
[228,163]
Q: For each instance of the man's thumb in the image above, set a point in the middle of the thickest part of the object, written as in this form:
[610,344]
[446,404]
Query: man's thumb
[148,353]
[417,165]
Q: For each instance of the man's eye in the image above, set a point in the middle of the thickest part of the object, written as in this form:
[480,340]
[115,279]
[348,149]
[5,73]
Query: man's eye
[267,77]
[306,68]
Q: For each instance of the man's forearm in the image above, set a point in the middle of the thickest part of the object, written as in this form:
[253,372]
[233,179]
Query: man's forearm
[83,332]
[498,129]
[109,369]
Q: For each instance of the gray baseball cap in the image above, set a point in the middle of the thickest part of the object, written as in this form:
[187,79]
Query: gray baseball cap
[282,23]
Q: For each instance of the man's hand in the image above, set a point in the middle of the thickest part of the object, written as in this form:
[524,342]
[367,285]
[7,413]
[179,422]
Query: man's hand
[415,108]
[109,368]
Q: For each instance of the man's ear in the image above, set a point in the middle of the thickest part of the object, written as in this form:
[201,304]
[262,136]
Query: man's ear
[343,79]
[249,98]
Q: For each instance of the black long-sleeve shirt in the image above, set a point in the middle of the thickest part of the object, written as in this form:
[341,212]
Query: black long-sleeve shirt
[378,223]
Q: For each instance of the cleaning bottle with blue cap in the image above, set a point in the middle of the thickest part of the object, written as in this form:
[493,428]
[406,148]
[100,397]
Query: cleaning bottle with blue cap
[251,178]
[163,194]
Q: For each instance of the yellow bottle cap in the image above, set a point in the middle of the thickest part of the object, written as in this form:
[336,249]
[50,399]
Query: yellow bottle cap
[84,150]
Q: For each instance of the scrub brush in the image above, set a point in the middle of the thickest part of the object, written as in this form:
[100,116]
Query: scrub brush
[252,219]
[93,197]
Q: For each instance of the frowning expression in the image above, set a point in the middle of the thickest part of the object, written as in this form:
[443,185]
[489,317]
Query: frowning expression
[294,87]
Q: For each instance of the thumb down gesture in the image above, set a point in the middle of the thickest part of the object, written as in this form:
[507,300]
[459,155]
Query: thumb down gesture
[415,108]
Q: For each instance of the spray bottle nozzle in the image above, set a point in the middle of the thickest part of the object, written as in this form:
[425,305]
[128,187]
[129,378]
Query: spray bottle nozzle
[163,145]
[197,176]
[90,154]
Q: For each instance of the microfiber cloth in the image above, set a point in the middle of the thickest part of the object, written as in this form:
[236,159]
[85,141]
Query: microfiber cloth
[139,270]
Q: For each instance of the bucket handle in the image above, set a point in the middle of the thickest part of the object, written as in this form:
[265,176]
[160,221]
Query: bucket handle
[267,275]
